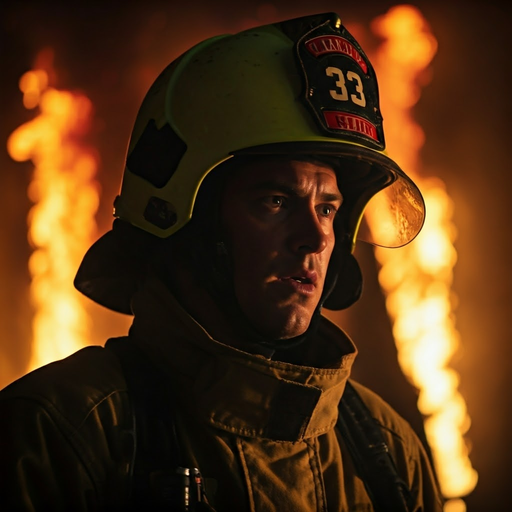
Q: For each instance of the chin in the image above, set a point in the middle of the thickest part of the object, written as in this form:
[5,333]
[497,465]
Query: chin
[283,325]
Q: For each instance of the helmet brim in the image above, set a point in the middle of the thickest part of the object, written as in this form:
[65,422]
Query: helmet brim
[373,186]
[114,265]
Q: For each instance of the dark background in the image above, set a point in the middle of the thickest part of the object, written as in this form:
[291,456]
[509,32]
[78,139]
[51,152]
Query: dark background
[112,51]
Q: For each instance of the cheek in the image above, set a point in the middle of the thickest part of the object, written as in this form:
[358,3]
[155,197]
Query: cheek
[251,251]
[330,245]
[324,258]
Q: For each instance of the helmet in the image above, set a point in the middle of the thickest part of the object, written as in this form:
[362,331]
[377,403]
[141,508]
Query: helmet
[302,86]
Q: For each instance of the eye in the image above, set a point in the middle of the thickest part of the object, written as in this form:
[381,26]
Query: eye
[327,210]
[275,202]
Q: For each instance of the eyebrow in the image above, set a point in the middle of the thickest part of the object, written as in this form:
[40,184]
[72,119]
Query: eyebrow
[293,191]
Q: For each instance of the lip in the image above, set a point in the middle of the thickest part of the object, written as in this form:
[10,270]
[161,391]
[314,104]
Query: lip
[303,281]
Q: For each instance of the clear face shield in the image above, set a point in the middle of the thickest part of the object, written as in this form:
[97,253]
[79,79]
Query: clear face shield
[394,216]
[383,206]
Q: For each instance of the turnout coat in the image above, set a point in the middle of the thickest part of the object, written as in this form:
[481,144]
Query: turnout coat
[262,432]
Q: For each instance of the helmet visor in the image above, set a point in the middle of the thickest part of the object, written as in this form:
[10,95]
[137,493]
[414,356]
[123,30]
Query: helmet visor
[393,216]
[381,204]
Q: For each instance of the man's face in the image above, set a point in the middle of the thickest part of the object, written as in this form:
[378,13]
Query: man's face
[278,220]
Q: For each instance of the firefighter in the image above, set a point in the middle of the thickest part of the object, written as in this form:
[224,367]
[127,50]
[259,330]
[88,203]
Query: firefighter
[252,160]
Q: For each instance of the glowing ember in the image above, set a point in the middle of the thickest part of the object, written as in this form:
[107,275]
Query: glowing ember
[417,279]
[61,222]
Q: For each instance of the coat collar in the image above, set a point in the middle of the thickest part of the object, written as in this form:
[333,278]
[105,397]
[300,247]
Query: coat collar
[237,391]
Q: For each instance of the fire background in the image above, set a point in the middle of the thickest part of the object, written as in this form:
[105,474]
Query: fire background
[111,52]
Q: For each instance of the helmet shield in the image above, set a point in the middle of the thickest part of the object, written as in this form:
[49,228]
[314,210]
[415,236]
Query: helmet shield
[340,86]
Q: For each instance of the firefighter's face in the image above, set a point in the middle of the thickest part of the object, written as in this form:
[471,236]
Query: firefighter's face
[278,220]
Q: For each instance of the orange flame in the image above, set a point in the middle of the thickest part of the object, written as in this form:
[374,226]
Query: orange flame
[417,279]
[61,222]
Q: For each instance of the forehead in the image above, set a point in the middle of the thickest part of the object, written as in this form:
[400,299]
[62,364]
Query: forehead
[300,175]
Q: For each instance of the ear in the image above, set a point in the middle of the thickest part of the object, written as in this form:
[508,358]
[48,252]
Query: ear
[346,286]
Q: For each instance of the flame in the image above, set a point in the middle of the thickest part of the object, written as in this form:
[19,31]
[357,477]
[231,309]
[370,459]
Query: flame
[417,279]
[61,222]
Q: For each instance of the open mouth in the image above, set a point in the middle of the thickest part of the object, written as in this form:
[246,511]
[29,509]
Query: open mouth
[302,280]
[304,284]
[300,284]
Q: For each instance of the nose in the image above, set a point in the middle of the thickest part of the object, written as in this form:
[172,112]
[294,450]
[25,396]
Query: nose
[308,235]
